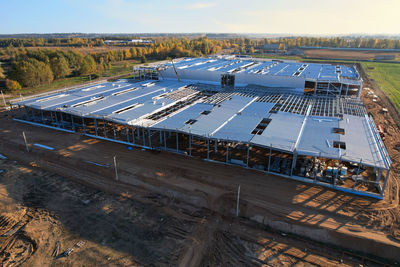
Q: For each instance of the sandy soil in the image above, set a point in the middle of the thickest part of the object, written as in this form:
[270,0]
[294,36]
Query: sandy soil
[43,215]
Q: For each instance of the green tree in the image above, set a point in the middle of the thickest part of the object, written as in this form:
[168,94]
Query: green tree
[143,59]
[32,72]
[133,52]
[2,76]
[127,54]
[12,85]
[59,66]
[88,66]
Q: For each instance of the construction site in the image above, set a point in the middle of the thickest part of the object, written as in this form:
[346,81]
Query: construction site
[208,108]
[226,145]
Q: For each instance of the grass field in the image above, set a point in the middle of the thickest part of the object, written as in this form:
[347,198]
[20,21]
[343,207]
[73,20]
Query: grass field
[387,76]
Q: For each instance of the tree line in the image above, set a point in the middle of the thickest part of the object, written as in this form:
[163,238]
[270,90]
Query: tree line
[34,67]
[290,42]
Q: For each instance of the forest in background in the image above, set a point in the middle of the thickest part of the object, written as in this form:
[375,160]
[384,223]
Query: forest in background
[32,62]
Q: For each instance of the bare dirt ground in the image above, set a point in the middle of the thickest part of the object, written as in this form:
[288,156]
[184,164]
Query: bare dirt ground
[43,215]
[344,54]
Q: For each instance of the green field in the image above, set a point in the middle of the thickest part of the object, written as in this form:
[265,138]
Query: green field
[387,76]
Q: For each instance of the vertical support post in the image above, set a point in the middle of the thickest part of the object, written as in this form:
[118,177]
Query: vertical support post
[316,87]
[95,126]
[83,125]
[51,115]
[165,142]
[115,135]
[358,171]
[215,146]
[62,121]
[319,165]
[105,131]
[144,137]
[177,142]
[227,152]
[208,148]
[149,133]
[127,133]
[160,138]
[269,158]
[384,184]
[327,89]
[337,173]
[11,111]
[72,123]
[115,168]
[190,145]
[237,202]
[133,135]
[41,114]
[26,143]
[293,162]
[55,113]
[341,87]
[378,177]
[248,154]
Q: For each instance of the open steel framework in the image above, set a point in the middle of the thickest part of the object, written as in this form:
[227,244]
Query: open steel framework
[325,140]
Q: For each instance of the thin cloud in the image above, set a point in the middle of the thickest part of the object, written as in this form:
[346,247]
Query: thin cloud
[197,6]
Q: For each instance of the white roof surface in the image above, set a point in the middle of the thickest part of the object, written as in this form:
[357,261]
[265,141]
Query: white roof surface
[233,118]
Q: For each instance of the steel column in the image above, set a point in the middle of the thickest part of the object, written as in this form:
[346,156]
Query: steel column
[95,126]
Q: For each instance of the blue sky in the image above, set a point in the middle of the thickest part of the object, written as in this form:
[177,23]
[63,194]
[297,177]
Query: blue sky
[177,16]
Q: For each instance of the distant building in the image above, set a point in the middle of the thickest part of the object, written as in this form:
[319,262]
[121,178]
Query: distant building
[133,41]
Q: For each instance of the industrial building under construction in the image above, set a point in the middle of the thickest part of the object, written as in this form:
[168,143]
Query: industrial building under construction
[302,121]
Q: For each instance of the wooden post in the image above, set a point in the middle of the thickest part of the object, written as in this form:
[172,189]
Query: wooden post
[237,202]
[26,143]
[115,167]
